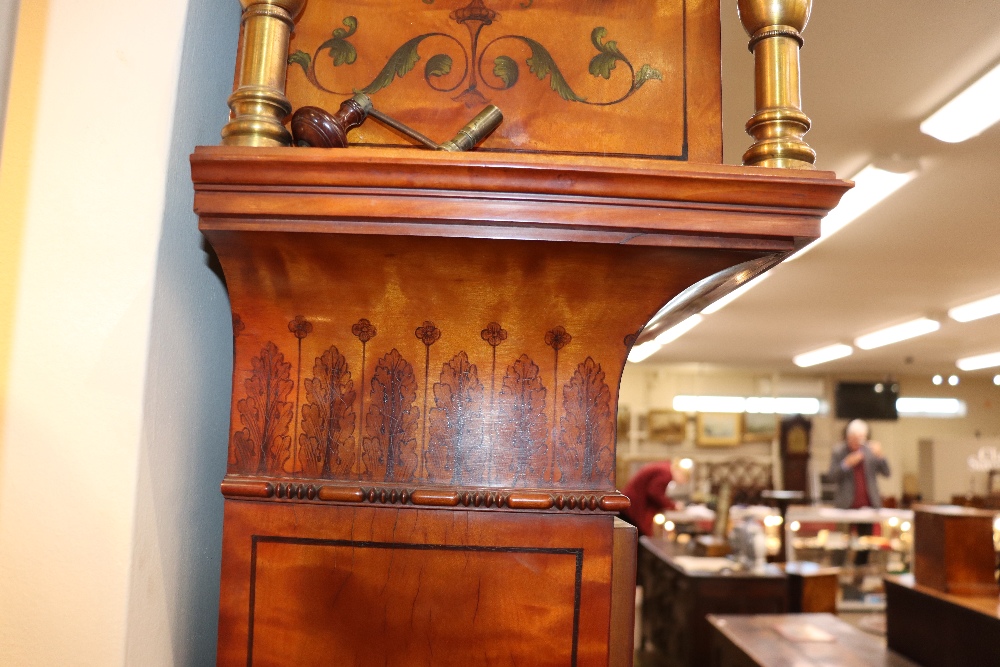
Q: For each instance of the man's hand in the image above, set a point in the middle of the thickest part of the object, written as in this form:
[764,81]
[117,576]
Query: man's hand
[854,458]
[876,449]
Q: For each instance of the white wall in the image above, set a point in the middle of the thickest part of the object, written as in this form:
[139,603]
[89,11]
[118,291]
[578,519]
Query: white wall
[109,532]
[173,600]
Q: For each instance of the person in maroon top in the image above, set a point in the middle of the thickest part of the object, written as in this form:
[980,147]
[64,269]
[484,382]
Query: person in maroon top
[648,492]
[855,466]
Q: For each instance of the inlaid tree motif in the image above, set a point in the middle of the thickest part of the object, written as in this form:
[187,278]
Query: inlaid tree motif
[428,334]
[326,444]
[300,327]
[264,445]
[456,424]
[364,331]
[557,339]
[389,448]
[586,454]
[494,335]
[523,427]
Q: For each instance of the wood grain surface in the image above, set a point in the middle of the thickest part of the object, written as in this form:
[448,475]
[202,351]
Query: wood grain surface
[305,585]
[755,641]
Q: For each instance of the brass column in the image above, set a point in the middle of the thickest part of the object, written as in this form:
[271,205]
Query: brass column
[259,103]
[778,125]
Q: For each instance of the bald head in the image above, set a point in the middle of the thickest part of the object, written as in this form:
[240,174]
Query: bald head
[857,433]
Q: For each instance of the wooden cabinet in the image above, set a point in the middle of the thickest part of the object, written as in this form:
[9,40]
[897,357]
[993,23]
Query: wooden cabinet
[676,603]
[938,629]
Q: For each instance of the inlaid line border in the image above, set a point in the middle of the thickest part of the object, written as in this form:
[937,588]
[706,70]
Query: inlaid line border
[577,552]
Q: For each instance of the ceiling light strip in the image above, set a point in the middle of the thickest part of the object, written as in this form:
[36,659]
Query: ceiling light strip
[822,355]
[781,405]
[976,310]
[872,185]
[930,407]
[897,333]
[980,361]
[678,330]
[969,113]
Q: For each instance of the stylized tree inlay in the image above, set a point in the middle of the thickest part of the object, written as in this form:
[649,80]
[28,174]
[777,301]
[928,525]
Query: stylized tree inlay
[263,444]
[456,424]
[327,439]
[494,335]
[557,339]
[505,71]
[523,426]
[300,328]
[428,334]
[389,448]
[364,331]
[586,455]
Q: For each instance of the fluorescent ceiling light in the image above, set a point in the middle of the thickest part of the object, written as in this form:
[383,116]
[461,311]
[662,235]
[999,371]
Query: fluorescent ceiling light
[980,361]
[643,351]
[709,403]
[822,355]
[782,405]
[719,304]
[678,330]
[930,407]
[976,310]
[894,334]
[871,186]
[969,113]
[751,404]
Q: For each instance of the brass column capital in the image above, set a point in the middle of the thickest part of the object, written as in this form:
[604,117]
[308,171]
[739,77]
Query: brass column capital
[779,125]
[259,104]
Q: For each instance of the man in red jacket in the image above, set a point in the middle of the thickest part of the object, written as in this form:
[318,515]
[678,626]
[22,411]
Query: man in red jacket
[648,493]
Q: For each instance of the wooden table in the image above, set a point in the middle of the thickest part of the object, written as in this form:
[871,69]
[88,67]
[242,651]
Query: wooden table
[676,602]
[939,629]
[755,641]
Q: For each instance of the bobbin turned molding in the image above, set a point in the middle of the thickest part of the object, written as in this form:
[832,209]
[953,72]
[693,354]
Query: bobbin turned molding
[259,103]
[775,28]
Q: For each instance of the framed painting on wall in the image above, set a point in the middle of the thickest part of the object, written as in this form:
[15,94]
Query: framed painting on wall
[759,427]
[666,426]
[718,429]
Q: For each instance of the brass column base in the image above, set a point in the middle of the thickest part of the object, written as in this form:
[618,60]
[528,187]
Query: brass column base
[778,134]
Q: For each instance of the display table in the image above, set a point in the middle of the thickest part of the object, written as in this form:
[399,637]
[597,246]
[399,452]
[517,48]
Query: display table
[891,552]
[796,640]
[938,629]
[677,597]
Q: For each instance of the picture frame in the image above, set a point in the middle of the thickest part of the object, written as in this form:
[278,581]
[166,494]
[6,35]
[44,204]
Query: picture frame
[719,429]
[759,427]
[666,426]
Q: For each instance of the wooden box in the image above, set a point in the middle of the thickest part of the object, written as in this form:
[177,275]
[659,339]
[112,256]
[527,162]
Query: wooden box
[812,588]
[953,550]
